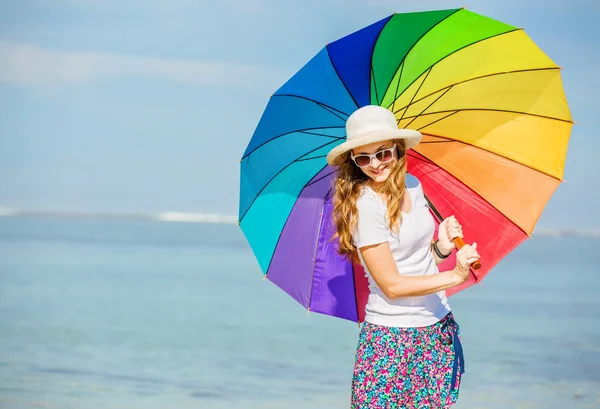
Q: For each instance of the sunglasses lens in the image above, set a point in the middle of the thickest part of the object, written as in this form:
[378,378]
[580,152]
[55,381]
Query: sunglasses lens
[384,156]
[362,160]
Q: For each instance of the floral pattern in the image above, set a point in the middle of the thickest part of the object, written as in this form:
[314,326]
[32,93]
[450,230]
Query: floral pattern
[408,368]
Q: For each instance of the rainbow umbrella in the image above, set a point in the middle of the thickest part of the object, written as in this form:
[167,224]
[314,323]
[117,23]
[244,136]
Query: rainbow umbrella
[495,123]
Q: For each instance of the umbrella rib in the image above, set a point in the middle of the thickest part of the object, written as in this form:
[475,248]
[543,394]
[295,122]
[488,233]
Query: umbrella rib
[441,219]
[322,134]
[434,210]
[423,159]
[277,174]
[493,153]
[374,82]
[282,230]
[372,72]
[314,157]
[467,187]
[294,131]
[355,297]
[430,142]
[437,120]
[327,108]
[488,151]
[312,280]
[397,86]
[429,106]
[339,76]
[413,97]
[487,110]
[475,79]
[321,104]
[321,178]
[454,52]
[401,65]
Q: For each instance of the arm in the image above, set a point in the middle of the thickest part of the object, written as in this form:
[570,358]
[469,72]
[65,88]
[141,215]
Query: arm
[371,239]
[382,267]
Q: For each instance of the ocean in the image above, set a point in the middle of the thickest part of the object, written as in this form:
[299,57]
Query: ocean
[138,314]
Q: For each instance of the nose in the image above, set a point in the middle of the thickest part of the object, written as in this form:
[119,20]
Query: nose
[375,163]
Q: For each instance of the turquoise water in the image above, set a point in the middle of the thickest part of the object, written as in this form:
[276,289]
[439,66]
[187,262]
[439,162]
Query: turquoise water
[127,315]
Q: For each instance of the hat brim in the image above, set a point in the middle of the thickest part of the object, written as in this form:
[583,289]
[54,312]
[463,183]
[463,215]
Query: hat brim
[410,136]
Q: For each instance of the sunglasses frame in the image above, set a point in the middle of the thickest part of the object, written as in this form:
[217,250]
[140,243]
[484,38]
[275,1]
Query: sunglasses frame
[374,155]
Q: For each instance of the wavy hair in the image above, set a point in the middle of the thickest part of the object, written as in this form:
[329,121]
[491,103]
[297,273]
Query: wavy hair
[348,184]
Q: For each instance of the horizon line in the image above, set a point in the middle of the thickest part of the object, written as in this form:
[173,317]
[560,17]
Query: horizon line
[187,217]
[182,217]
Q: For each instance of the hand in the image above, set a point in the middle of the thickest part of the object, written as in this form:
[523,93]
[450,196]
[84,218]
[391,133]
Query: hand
[449,230]
[466,256]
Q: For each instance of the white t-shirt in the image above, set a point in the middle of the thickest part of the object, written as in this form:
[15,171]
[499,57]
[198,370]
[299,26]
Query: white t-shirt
[411,249]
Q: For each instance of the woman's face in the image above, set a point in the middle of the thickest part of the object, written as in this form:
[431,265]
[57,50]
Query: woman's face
[380,166]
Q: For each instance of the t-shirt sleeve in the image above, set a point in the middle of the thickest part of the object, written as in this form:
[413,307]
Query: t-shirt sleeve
[371,227]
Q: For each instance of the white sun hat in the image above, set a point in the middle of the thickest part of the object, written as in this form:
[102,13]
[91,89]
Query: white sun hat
[371,124]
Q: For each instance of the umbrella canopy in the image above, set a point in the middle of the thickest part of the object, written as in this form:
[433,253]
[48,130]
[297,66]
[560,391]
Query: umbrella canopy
[495,123]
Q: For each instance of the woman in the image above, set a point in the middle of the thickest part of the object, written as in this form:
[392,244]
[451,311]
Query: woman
[409,353]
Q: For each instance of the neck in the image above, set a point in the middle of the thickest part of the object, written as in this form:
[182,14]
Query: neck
[376,186]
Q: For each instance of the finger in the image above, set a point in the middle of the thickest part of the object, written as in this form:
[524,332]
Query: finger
[473,253]
[474,245]
[454,235]
[456,230]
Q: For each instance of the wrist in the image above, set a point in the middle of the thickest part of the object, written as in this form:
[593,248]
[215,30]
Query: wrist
[441,253]
[458,276]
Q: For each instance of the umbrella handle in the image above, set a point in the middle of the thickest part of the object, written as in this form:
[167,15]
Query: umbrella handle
[460,243]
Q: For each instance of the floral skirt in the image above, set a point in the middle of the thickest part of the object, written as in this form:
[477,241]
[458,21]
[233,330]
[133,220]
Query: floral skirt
[408,368]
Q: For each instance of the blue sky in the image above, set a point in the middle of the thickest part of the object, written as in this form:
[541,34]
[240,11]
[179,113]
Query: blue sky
[147,105]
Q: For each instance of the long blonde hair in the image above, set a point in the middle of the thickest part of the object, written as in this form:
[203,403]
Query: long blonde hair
[349,182]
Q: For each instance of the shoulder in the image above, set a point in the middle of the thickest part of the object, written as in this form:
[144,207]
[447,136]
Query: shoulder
[368,197]
[367,193]
[371,227]
[369,203]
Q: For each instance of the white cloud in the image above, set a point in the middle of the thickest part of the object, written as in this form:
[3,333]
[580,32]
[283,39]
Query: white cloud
[31,65]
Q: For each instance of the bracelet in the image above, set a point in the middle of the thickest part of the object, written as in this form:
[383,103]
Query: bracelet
[438,252]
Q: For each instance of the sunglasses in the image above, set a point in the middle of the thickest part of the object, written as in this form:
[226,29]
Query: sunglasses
[364,159]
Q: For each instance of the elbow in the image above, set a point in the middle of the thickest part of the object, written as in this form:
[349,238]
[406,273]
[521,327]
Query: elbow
[399,290]
[391,293]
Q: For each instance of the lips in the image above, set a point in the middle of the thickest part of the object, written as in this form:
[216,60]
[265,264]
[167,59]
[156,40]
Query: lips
[378,172]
